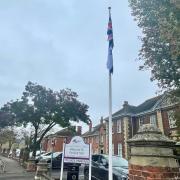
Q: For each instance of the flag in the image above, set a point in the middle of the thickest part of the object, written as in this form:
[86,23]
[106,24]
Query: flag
[111,45]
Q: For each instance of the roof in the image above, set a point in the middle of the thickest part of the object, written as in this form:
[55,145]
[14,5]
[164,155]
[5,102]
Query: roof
[130,110]
[95,130]
[65,132]
[148,104]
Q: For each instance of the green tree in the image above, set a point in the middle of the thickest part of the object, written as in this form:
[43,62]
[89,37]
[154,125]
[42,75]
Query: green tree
[7,135]
[6,119]
[42,107]
[160,52]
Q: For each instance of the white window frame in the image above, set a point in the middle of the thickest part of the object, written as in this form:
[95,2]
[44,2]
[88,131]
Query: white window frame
[120,149]
[119,128]
[171,119]
[141,121]
[153,120]
[112,149]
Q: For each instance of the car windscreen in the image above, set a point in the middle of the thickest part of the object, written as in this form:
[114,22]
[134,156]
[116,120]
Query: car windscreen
[47,154]
[118,161]
[56,154]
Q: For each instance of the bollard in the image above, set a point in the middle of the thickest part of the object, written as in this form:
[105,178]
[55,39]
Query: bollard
[31,165]
[73,172]
[42,168]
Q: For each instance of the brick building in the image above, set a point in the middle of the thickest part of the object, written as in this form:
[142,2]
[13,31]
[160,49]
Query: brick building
[158,111]
[97,137]
[59,138]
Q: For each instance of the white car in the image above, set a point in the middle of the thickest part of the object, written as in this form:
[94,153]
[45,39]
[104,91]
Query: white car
[47,156]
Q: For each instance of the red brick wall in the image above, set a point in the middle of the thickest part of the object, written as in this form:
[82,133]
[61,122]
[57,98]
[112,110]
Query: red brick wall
[44,144]
[58,144]
[95,144]
[102,132]
[165,122]
[118,138]
[137,172]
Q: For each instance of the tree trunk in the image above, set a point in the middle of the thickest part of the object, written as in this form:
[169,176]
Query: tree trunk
[35,143]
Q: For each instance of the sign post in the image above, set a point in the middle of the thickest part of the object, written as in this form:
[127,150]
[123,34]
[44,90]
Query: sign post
[76,152]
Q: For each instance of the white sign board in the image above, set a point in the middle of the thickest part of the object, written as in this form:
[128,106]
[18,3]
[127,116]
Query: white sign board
[77,151]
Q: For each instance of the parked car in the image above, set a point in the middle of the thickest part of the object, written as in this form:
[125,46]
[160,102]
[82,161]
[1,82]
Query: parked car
[47,156]
[100,168]
[38,153]
[43,155]
[56,161]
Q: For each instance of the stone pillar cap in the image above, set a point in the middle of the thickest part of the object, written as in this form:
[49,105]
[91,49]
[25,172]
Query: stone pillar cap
[149,134]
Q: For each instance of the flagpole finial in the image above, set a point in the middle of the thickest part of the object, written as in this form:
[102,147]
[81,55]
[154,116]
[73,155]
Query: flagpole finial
[109,10]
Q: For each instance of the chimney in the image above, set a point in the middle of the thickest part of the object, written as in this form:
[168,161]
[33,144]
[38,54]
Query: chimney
[79,130]
[125,106]
[125,103]
[90,125]
[101,120]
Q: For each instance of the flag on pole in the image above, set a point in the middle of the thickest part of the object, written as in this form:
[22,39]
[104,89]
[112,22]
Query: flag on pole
[111,45]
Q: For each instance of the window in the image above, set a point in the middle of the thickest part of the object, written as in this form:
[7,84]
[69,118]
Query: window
[97,139]
[141,121]
[153,120]
[112,149]
[120,149]
[171,118]
[112,127]
[95,158]
[102,139]
[118,126]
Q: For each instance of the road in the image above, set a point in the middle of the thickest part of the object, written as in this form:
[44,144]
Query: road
[14,171]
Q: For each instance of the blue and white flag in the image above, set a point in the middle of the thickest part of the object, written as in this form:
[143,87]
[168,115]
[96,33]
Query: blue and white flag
[111,45]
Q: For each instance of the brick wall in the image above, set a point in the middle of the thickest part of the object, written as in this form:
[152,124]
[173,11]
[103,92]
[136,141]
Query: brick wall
[44,144]
[58,147]
[118,138]
[137,172]
[165,122]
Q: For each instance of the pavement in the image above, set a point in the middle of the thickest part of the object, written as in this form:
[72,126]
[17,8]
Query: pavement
[13,171]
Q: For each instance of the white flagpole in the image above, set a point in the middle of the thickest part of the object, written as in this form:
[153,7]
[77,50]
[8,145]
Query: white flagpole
[62,163]
[90,161]
[110,128]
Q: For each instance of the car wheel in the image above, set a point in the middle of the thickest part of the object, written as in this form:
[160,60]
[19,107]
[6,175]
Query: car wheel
[86,175]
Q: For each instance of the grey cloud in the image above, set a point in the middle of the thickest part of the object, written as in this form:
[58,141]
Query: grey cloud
[62,44]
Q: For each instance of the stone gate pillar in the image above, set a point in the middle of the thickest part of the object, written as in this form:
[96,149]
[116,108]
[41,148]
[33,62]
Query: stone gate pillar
[151,156]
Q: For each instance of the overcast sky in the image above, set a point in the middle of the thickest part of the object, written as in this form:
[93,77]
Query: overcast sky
[63,44]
